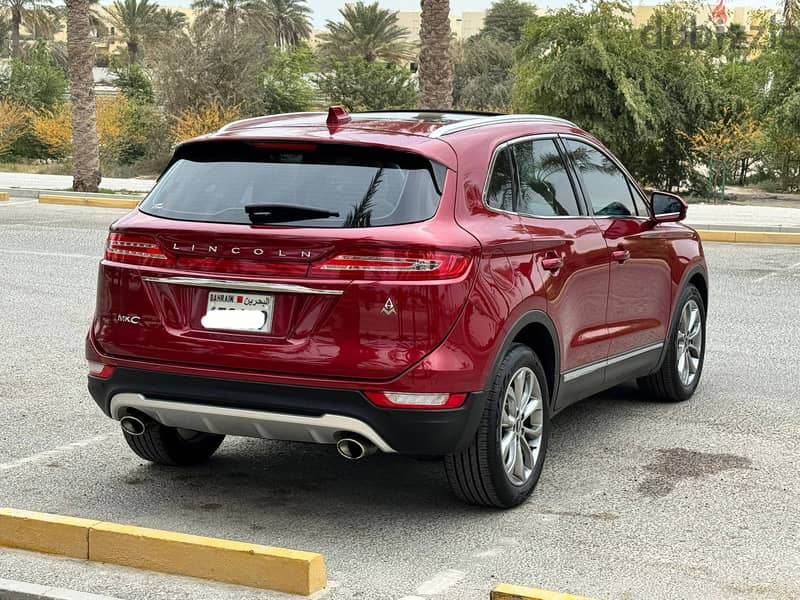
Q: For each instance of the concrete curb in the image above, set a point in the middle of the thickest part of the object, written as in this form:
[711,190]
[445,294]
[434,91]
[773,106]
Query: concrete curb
[505,591]
[20,590]
[96,200]
[748,237]
[20,192]
[267,567]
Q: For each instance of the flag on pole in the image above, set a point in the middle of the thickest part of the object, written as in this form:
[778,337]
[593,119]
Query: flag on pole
[719,15]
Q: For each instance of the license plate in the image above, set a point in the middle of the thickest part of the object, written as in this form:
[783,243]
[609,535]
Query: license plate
[239,312]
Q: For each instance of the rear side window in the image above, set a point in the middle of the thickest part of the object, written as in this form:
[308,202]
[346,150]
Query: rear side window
[606,186]
[303,185]
[500,191]
[544,186]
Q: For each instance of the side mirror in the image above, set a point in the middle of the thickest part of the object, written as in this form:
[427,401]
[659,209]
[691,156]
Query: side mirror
[668,207]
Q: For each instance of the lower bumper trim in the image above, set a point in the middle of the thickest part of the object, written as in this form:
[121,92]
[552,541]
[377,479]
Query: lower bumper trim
[322,429]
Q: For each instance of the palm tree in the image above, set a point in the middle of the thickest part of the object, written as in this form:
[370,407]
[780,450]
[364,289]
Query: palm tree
[85,154]
[791,13]
[232,12]
[369,32]
[170,21]
[435,68]
[134,20]
[286,21]
[21,10]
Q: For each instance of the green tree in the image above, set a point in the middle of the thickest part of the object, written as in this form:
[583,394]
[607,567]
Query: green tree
[362,85]
[368,32]
[34,80]
[483,77]
[135,21]
[287,22]
[435,66]
[207,65]
[506,18]
[592,68]
[285,83]
[133,81]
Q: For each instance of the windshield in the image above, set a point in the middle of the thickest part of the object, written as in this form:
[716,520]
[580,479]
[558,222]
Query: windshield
[317,186]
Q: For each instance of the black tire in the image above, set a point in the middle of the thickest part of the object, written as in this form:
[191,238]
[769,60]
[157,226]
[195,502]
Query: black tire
[665,385]
[477,474]
[175,447]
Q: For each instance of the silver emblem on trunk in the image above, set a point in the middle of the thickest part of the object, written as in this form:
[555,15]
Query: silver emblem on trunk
[388,308]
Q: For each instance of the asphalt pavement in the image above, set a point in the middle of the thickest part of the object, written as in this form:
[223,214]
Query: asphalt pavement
[637,500]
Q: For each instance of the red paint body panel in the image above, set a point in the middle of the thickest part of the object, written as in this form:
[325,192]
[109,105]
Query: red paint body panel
[445,335]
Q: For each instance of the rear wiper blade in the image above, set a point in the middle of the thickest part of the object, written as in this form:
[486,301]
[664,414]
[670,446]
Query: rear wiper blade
[282,213]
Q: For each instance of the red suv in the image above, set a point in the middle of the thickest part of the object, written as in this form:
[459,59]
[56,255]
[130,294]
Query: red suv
[427,283]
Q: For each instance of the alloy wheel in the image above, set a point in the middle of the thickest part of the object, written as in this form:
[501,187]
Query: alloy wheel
[689,343]
[521,426]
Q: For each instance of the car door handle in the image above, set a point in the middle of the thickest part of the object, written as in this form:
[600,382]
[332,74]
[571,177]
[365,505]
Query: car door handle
[621,255]
[553,263]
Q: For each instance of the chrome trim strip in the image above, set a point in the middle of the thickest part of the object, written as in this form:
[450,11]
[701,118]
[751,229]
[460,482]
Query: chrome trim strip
[499,119]
[617,358]
[323,429]
[233,284]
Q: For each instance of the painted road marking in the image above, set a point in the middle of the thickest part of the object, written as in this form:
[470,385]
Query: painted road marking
[21,462]
[440,583]
[7,204]
[59,254]
[777,272]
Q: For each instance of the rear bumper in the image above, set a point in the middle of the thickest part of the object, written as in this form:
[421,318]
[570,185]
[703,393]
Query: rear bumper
[407,431]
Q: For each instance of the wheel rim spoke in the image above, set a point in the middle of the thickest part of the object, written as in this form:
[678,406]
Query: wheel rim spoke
[521,426]
[689,342]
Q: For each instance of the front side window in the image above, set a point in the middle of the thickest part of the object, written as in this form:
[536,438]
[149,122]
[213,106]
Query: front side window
[545,189]
[605,184]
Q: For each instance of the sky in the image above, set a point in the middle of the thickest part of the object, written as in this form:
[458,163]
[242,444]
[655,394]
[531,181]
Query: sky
[329,9]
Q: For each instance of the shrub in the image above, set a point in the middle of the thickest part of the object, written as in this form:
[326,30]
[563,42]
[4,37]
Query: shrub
[133,81]
[142,135]
[194,122]
[54,128]
[13,122]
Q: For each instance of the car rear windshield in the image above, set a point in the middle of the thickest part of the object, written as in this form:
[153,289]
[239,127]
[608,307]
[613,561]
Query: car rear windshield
[302,185]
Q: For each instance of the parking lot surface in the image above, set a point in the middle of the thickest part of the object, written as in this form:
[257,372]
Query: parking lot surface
[637,500]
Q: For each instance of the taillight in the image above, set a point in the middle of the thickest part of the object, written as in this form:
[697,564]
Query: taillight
[136,249]
[397,265]
[406,400]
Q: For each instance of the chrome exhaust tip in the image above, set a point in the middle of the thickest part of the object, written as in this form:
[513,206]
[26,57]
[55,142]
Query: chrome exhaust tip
[132,425]
[355,448]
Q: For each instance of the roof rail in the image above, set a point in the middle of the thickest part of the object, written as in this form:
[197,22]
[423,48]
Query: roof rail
[478,113]
[478,122]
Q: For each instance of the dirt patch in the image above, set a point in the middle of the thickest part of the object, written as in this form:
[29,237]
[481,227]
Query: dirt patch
[675,464]
[755,197]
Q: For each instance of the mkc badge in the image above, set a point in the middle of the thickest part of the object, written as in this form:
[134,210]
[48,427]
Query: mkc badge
[388,308]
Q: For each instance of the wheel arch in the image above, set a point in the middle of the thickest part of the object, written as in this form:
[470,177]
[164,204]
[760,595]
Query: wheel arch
[697,276]
[536,330]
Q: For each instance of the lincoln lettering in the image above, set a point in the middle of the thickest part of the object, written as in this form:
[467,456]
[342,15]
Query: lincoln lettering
[237,250]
